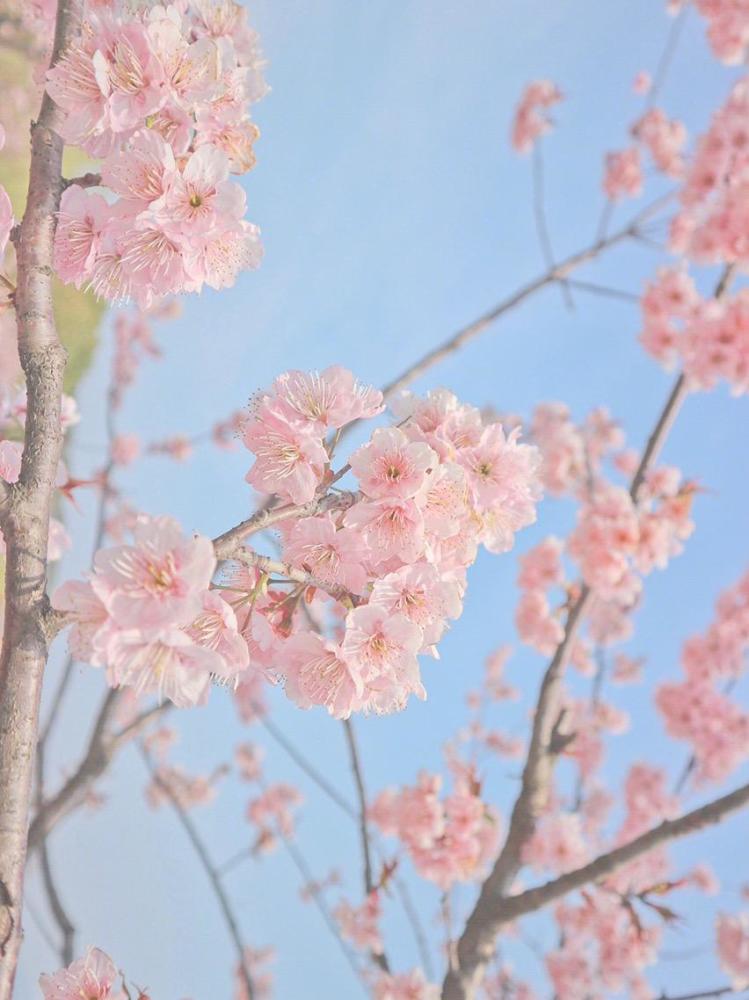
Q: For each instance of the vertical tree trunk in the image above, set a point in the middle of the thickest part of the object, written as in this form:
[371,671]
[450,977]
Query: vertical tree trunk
[24,515]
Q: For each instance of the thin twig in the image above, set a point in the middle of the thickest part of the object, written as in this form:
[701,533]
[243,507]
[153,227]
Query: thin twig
[379,957]
[539,213]
[225,545]
[312,773]
[603,290]
[66,950]
[669,50]
[362,797]
[718,991]
[209,868]
[267,565]
[564,268]
[302,867]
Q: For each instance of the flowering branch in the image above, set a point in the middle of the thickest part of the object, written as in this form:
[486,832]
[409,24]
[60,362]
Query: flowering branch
[267,565]
[25,508]
[226,545]
[476,944]
[669,830]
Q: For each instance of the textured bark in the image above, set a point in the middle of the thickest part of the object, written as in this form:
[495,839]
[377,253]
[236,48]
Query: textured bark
[24,515]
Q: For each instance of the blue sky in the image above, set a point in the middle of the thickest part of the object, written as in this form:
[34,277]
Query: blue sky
[393,212]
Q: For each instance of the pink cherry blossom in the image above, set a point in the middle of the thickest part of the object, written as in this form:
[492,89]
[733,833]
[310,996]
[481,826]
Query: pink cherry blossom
[289,457]
[81,223]
[159,580]
[390,466]
[405,986]
[318,673]
[392,529]
[167,662]
[93,977]
[530,120]
[125,449]
[732,939]
[383,647]
[272,813]
[331,398]
[359,925]
[215,628]
[335,556]
[623,175]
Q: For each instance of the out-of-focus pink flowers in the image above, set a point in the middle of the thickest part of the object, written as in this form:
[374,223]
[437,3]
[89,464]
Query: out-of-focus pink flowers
[623,174]
[732,940]
[698,709]
[449,840]
[531,116]
[405,986]
[360,924]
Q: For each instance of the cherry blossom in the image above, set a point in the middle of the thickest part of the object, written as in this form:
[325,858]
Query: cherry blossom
[530,120]
[94,976]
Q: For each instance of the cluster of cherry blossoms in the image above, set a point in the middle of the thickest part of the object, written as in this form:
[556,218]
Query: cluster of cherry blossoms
[699,708]
[160,95]
[727,26]
[712,224]
[147,614]
[393,554]
[532,119]
[375,573]
[404,986]
[607,939]
[708,337]
[448,840]
[617,538]
[732,941]
[662,138]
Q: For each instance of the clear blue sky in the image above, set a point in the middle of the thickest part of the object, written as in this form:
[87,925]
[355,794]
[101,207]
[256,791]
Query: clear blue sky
[393,211]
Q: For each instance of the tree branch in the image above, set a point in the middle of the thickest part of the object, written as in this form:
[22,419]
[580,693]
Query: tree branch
[607,864]
[225,545]
[476,944]
[26,517]
[101,751]
[268,565]
[552,275]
